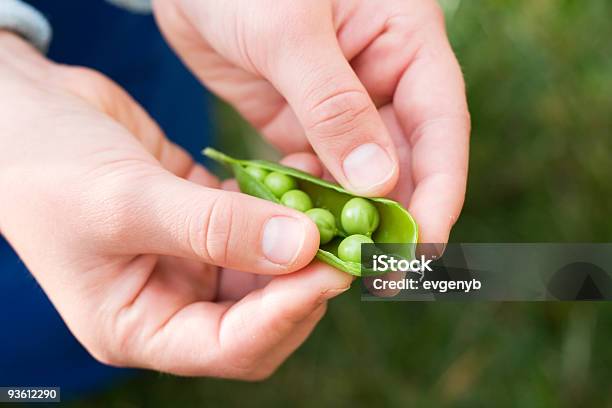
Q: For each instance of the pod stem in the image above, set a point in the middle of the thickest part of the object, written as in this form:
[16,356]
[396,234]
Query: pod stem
[218,156]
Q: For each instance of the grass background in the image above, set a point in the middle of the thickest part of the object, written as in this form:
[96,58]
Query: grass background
[539,77]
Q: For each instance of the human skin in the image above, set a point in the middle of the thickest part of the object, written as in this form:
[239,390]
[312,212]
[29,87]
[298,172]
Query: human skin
[135,245]
[373,87]
[123,231]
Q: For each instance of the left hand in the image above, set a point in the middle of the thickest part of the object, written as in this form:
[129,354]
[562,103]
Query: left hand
[373,87]
[135,245]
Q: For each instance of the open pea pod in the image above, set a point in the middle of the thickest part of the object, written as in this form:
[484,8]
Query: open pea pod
[396,225]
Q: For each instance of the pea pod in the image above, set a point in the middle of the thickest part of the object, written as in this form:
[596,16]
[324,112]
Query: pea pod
[396,225]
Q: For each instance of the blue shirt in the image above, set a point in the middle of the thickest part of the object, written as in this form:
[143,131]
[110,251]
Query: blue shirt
[36,348]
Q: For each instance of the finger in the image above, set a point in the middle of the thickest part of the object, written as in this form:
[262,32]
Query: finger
[432,109]
[199,175]
[384,59]
[246,91]
[183,278]
[284,131]
[234,285]
[404,187]
[167,215]
[268,361]
[252,337]
[286,306]
[334,108]
[307,162]
[436,204]
[230,185]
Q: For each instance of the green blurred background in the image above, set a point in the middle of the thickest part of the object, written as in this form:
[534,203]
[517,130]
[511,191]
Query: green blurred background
[539,78]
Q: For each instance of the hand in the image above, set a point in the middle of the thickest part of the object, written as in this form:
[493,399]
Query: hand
[372,85]
[122,231]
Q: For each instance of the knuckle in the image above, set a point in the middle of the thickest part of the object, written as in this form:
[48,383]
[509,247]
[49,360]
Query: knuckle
[251,368]
[215,241]
[243,366]
[82,77]
[430,13]
[417,30]
[90,85]
[338,114]
[459,122]
[437,13]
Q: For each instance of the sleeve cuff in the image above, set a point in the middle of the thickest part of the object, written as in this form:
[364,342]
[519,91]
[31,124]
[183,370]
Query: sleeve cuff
[135,6]
[26,21]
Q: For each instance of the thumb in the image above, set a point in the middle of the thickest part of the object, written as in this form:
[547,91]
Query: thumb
[172,216]
[339,117]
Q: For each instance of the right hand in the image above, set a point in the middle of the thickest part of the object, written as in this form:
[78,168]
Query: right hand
[372,86]
[124,232]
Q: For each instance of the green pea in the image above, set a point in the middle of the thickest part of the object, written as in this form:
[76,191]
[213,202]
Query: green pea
[297,199]
[359,216]
[257,172]
[387,222]
[326,223]
[279,183]
[350,248]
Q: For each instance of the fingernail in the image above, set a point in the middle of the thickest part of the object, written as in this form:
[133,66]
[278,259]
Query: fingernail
[283,238]
[368,166]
